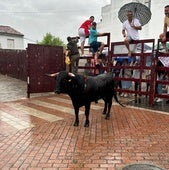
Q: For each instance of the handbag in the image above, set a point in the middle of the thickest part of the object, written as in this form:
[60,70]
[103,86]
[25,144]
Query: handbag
[67,58]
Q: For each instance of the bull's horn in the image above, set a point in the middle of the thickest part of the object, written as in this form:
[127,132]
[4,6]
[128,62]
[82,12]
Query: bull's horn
[71,74]
[52,75]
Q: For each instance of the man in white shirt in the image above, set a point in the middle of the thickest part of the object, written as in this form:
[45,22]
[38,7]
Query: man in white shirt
[130,30]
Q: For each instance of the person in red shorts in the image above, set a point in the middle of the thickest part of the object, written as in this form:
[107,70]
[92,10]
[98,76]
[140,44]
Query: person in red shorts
[83,32]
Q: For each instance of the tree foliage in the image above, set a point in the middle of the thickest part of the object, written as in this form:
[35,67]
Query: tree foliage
[50,39]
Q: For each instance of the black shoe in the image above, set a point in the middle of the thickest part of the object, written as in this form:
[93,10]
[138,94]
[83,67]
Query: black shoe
[167,101]
[98,66]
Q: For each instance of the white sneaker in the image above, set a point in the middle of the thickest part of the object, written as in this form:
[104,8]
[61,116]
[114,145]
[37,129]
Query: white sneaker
[122,94]
[163,51]
[82,55]
[125,95]
[159,100]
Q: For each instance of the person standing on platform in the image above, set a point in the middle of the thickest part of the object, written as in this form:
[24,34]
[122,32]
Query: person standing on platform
[73,53]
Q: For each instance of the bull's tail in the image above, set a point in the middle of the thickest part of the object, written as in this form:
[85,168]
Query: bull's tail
[116,99]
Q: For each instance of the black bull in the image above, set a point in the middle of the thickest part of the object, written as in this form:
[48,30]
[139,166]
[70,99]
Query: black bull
[84,90]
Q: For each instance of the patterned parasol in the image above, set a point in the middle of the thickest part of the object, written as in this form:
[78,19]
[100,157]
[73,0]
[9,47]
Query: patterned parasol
[140,11]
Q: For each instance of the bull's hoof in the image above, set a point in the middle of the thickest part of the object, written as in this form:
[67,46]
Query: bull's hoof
[57,92]
[103,113]
[76,124]
[86,124]
[107,117]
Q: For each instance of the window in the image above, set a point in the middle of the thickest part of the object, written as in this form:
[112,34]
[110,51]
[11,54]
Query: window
[10,43]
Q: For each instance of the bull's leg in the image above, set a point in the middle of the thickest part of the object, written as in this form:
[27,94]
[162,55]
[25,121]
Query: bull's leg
[76,123]
[108,111]
[87,110]
[105,108]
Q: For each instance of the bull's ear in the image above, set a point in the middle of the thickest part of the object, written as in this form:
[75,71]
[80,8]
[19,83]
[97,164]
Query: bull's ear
[71,74]
[52,75]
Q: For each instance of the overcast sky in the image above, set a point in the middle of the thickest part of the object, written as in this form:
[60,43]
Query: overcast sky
[35,18]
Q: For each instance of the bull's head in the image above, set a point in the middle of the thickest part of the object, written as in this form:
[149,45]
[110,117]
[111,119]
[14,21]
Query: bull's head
[63,82]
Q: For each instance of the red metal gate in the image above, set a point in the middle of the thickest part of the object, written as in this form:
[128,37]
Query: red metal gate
[41,60]
[119,50]
[89,56]
[163,69]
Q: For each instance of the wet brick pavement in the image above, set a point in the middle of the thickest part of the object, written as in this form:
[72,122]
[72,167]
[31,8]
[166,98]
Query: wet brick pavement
[38,133]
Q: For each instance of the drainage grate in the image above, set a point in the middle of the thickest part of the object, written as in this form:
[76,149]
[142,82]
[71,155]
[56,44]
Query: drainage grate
[141,167]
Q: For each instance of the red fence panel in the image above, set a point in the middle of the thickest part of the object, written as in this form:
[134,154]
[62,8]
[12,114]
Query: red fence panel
[118,49]
[3,62]
[42,60]
[163,69]
[89,57]
[13,63]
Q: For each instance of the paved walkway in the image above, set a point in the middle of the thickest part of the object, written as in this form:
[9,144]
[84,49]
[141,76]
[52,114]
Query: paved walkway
[38,134]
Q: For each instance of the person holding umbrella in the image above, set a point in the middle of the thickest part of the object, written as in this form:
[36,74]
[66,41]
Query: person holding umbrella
[130,30]
[165,34]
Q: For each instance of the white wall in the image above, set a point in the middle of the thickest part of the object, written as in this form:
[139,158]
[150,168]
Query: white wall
[18,42]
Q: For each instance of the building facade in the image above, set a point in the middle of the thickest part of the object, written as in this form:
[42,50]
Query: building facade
[10,38]
[110,22]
